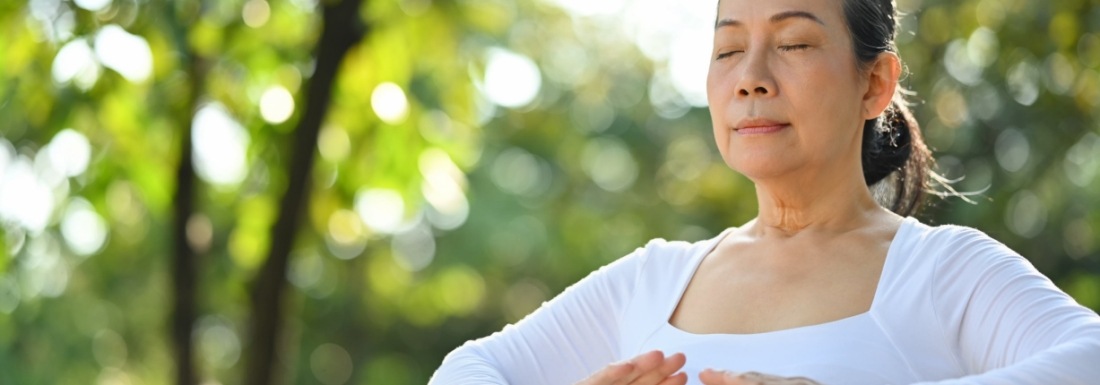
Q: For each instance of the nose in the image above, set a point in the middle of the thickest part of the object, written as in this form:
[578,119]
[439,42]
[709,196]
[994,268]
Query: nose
[756,78]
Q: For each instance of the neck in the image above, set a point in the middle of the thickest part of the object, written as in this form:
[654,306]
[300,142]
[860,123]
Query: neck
[813,200]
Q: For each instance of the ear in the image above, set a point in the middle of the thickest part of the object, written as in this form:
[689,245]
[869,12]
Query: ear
[882,81]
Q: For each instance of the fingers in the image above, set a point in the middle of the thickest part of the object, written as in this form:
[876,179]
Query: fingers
[610,374]
[748,378]
[643,363]
[624,372]
[757,378]
[670,365]
[714,377]
[722,377]
[679,379]
[650,368]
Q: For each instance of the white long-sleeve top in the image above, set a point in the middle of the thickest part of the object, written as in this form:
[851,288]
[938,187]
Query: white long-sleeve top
[952,306]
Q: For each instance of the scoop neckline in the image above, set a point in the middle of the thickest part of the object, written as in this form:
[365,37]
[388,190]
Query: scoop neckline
[713,243]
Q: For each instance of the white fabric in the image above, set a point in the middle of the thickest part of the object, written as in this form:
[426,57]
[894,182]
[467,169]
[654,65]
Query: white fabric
[953,306]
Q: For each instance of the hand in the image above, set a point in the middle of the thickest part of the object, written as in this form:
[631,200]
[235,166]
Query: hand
[723,377]
[651,368]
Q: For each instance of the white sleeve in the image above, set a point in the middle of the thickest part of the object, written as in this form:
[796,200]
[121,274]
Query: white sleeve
[1006,322]
[562,342]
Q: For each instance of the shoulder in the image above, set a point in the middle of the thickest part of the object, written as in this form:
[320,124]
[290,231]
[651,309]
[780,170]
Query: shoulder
[666,259]
[960,252]
[958,239]
[639,267]
[633,262]
[658,254]
[660,250]
[656,248]
[946,233]
[960,232]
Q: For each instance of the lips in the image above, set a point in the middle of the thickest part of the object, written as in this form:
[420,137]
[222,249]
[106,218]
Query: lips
[761,129]
[759,125]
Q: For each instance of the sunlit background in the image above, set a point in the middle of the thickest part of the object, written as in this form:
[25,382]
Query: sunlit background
[475,157]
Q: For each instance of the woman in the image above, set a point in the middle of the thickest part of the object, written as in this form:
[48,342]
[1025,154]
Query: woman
[825,286]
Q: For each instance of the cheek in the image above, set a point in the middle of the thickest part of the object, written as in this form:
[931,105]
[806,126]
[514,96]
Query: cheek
[721,86]
[718,98]
[722,139]
[824,95]
[814,86]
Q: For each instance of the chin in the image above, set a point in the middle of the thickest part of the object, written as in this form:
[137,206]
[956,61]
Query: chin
[760,165]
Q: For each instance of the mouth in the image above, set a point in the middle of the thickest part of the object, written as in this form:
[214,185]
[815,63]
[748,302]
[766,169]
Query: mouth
[756,126]
[764,129]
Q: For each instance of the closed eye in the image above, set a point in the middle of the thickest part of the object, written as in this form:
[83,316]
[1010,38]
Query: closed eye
[796,47]
[727,54]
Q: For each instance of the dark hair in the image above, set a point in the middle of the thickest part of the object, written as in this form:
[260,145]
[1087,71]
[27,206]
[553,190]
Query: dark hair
[892,142]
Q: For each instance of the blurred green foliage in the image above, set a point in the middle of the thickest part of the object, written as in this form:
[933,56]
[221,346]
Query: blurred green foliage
[438,214]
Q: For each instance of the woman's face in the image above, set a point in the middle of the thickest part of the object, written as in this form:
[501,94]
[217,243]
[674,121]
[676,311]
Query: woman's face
[783,87]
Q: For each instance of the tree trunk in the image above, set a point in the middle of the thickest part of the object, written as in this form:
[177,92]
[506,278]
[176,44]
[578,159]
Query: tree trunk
[342,30]
[184,266]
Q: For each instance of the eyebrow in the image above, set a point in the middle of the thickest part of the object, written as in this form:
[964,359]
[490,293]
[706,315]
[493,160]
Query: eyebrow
[774,19]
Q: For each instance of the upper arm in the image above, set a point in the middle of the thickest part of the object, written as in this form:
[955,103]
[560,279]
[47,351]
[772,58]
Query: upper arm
[998,310]
[564,341]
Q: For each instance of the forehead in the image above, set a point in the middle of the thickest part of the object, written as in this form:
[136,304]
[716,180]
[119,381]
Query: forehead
[830,12]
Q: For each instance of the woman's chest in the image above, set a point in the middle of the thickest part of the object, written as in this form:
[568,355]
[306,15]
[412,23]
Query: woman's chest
[847,351]
[734,294]
[765,302]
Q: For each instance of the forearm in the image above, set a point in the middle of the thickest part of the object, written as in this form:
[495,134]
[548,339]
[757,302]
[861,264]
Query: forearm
[468,365]
[563,341]
[1071,363]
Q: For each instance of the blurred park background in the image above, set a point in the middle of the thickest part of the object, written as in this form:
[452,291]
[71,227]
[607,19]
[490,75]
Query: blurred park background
[341,192]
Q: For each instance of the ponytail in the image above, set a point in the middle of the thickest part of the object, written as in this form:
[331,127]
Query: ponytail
[892,143]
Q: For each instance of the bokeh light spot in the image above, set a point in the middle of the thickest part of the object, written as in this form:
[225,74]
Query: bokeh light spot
[276,104]
[217,343]
[1023,82]
[1012,149]
[511,80]
[609,163]
[24,198]
[255,13]
[76,62]
[462,289]
[83,229]
[93,5]
[380,209]
[123,52]
[70,152]
[389,103]
[333,143]
[331,364]
[220,146]
[414,248]
[109,349]
[1026,215]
